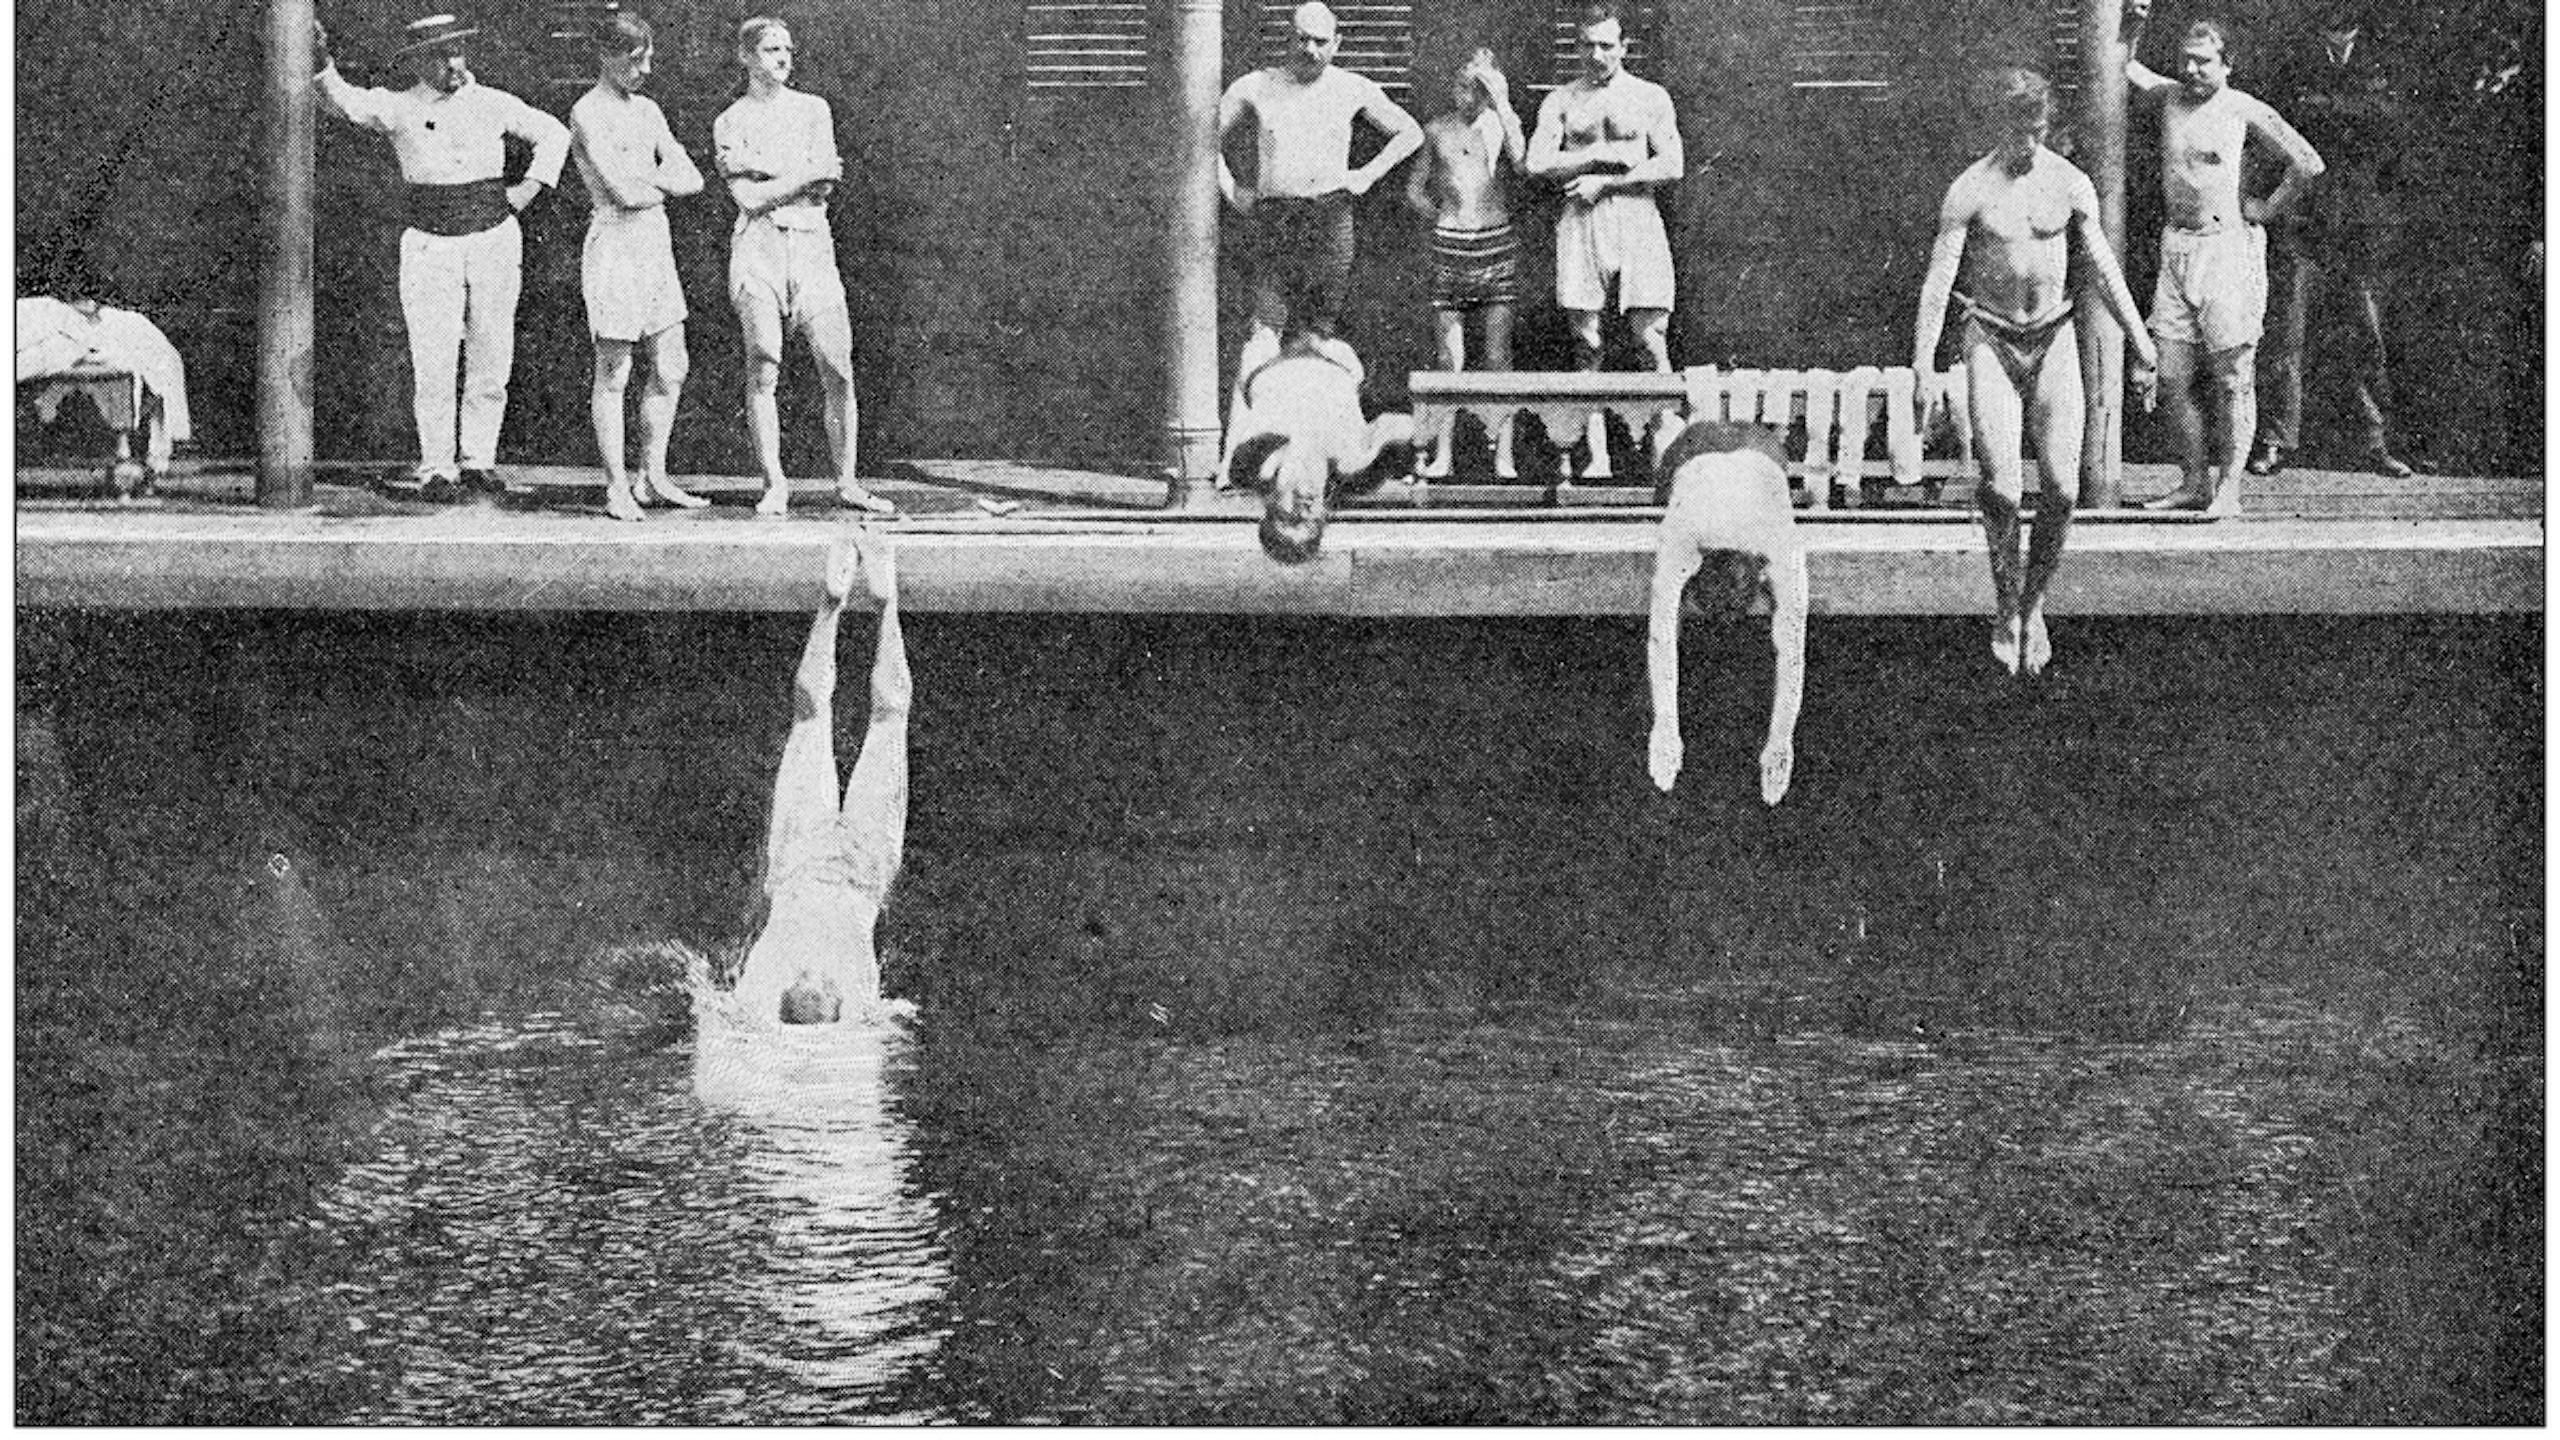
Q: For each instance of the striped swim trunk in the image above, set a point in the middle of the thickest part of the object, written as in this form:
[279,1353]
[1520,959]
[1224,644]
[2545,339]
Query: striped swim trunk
[1472,268]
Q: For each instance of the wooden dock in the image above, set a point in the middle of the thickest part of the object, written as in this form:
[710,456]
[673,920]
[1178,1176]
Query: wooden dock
[2315,542]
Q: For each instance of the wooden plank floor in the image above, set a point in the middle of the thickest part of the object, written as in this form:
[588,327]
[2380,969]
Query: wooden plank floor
[1078,541]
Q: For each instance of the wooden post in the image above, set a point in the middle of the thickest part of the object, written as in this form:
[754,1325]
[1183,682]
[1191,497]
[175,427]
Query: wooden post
[284,292]
[1191,252]
[2102,110]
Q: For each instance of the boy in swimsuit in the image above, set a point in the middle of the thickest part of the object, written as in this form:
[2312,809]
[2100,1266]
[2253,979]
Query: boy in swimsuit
[777,150]
[632,166]
[1467,154]
[828,866]
[2007,230]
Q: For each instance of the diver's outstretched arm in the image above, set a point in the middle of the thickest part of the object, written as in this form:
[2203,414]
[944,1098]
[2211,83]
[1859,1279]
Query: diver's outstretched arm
[874,817]
[1788,594]
[1676,557]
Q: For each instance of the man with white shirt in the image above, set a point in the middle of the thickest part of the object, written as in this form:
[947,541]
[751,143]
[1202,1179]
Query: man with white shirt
[462,256]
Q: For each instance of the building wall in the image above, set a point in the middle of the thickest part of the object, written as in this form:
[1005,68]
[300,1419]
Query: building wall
[1002,246]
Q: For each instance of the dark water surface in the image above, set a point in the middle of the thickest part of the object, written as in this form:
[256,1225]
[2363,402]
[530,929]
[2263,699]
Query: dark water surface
[1316,1021]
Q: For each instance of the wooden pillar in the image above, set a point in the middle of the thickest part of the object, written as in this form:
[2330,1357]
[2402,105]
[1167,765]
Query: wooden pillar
[2102,106]
[284,291]
[1198,57]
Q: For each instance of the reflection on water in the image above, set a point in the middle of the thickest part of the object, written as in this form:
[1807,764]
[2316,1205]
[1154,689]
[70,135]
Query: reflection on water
[853,1260]
[553,1229]
[1372,1074]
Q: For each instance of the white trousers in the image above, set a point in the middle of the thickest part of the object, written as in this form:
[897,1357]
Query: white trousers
[458,297]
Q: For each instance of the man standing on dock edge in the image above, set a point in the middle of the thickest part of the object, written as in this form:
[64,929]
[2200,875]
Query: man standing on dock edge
[462,255]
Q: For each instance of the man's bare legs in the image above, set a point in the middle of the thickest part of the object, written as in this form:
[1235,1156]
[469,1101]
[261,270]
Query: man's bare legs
[873,818]
[2235,382]
[1652,330]
[2204,449]
[1453,357]
[1586,358]
[760,320]
[866,831]
[669,363]
[830,335]
[1999,426]
[604,405]
[2057,416]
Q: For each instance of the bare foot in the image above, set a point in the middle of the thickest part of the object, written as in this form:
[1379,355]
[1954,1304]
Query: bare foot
[2191,494]
[2226,502]
[619,504]
[2006,641]
[842,562]
[879,563]
[1777,767]
[2039,645]
[775,504]
[855,497]
[666,492]
[1662,757]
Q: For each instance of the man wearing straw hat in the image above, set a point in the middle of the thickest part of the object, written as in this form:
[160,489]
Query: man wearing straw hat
[462,255]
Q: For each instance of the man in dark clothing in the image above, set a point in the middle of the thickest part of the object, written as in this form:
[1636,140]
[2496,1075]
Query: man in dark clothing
[2337,247]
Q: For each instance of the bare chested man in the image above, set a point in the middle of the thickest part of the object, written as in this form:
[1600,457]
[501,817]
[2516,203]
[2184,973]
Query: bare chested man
[829,865]
[1610,139]
[1725,493]
[2007,231]
[2210,305]
[1459,185]
[632,166]
[1296,215]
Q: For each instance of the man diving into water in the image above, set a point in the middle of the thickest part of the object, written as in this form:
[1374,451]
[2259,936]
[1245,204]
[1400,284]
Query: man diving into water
[1725,494]
[828,866]
[2008,230]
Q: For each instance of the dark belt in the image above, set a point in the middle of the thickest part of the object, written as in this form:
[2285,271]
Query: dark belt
[464,209]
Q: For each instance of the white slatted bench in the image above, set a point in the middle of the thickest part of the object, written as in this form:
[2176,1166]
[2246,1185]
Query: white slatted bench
[1840,411]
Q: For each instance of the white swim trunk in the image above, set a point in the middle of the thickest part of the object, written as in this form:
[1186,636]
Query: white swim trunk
[628,272]
[2212,290]
[793,270]
[1619,238]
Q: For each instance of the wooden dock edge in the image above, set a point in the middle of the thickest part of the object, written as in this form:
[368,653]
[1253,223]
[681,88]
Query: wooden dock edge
[89,560]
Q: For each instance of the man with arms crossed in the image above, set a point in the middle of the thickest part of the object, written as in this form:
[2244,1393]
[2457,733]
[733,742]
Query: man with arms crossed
[1296,215]
[2007,231]
[1475,259]
[1610,139]
[633,166]
[462,257]
[2210,304]
[776,148]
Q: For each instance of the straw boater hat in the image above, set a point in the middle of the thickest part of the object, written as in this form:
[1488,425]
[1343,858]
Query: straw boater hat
[435,30]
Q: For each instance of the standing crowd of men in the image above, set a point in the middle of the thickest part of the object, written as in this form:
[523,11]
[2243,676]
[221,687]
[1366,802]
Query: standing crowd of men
[462,253]
[2015,230]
